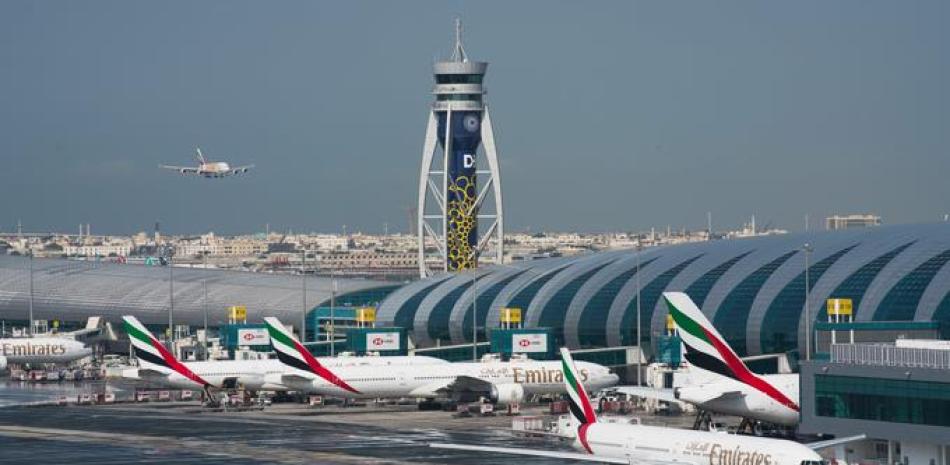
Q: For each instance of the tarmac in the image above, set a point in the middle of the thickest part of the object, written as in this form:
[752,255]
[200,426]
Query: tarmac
[184,433]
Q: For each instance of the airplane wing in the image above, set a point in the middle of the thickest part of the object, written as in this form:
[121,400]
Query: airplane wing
[460,386]
[533,452]
[646,392]
[291,378]
[241,169]
[181,169]
[835,442]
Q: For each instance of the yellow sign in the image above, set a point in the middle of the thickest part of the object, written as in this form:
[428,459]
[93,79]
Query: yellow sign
[839,307]
[510,315]
[365,314]
[670,325]
[237,313]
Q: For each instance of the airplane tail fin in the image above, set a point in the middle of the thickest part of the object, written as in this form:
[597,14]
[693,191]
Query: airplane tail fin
[152,355]
[201,158]
[582,411]
[293,354]
[708,350]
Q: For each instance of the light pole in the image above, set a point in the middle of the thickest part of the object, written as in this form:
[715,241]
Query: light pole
[204,284]
[639,349]
[474,315]
[332,313]
[303,287]
[30,326]
[808,249]
[169,252]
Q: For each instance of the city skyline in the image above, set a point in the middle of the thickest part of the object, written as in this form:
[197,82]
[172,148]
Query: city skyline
[773,110]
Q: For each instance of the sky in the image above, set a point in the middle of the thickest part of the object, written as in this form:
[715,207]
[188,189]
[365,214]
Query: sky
[609,116]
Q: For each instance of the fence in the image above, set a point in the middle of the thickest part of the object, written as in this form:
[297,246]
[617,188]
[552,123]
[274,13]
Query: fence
[889,355]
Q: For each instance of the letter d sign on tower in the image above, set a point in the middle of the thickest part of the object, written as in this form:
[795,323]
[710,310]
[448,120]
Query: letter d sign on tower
[450,199]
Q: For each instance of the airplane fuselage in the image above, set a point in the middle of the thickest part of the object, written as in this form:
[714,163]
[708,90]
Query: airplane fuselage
[652,443]
[512,379]
[41,350]
[265,374]
[714,396]
[213,169]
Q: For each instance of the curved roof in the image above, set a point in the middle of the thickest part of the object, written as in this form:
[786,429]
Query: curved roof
[752,289]
[74,290]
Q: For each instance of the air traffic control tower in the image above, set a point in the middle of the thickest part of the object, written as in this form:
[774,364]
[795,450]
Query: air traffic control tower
[451,200]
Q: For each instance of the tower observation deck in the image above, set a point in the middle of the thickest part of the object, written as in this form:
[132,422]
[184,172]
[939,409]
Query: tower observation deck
[450,199]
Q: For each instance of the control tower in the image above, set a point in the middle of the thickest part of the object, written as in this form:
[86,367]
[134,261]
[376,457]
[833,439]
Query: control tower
[451,199]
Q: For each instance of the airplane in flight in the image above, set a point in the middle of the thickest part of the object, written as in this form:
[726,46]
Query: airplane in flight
[158,365]
[730,387]
[626,443]
[209,169]
[36,350]
[500,382]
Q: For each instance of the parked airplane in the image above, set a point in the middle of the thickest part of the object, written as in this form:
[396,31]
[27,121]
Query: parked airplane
[209,169]
[626,443]
[35,350]
[734,390]
[500,382]
[157,364]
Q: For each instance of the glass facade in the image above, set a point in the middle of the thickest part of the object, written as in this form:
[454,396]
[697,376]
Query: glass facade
[855,285]
[887,400]
[459,78]
[439,318]
[459,97]
[552,316]
[523,299]
[701,287]
[780,326]
[650,294]
[901,301]
[484,300]
[733,313]
[590,328]
[406,315]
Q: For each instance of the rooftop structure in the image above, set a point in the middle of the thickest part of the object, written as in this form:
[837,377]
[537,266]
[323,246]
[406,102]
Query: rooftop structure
[753,289]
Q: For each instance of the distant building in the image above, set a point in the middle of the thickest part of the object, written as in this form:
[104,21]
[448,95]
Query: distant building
[833,223]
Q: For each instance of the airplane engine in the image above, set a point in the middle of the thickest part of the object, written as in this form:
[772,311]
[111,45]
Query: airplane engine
[507,394]
[3,363]
[182,171]
[244,170]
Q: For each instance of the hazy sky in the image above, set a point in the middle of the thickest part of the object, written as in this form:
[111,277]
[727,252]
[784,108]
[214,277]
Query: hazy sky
[609,115]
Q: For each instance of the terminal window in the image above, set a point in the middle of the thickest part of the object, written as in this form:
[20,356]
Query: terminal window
[890,400]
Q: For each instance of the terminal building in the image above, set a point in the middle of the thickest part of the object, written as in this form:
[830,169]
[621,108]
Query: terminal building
[72,291]
[897,394]
[754,289]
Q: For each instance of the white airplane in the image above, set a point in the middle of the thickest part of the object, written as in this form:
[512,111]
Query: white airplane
[209,169]
[500,382]
[626,443]
[35,350]
[157,364]
[732,388]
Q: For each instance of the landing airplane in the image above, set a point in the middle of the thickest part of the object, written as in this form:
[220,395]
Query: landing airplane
[209,169]
[733,389]
[500,382]
[157,364]
[625,443]
[36,350]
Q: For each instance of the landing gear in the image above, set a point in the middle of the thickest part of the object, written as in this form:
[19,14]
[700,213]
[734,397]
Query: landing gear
[703,421]
[210,399]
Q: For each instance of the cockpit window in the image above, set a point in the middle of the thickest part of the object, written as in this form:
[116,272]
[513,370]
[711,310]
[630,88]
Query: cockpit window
[814,462]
